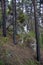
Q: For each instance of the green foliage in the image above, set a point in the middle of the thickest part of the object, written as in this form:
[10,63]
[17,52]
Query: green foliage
[1,62]
[21,17]
[10,31]
[31,34]
[5,39]
[9,9]
[27,38]
[0,33]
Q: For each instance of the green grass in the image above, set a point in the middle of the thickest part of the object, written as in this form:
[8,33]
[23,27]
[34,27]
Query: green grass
[31,33]
[32,62]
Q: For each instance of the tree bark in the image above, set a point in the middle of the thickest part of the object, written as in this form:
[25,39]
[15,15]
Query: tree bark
[14,20]
[36,32]
[3,5]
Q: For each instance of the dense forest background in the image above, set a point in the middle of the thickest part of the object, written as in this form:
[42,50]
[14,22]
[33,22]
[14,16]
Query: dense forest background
[21,32]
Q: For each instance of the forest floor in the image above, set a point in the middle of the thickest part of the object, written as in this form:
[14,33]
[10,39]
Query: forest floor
[17,54]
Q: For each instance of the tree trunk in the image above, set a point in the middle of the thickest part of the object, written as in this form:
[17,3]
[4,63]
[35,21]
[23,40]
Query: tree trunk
[37,32]
[14,20]
[3,5]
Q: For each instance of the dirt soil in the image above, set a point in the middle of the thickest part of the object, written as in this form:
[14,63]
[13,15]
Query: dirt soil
[15,54]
